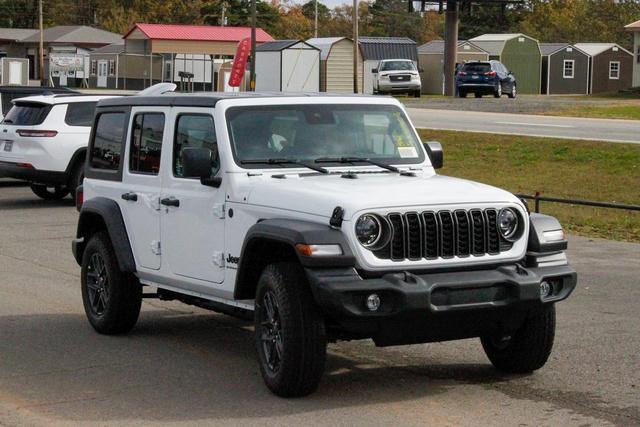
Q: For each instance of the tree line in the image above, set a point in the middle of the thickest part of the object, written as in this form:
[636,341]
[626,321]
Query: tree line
[569,21]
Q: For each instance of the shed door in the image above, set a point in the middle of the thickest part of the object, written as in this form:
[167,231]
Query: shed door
[15,73]
[103,69]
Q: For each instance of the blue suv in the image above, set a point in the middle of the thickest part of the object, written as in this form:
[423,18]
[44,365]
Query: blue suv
[485,78]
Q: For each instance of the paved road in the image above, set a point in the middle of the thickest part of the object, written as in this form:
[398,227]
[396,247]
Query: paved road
[186,366]
[526,124]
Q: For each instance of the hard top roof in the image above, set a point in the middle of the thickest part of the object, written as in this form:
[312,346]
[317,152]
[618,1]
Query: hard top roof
[210,99]
[62,98]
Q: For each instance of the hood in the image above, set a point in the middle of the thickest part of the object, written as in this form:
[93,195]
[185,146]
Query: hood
[320,194]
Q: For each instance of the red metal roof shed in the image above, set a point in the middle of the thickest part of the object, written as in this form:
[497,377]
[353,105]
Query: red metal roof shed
[197,32]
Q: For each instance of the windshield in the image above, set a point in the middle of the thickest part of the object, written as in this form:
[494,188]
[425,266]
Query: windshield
[311,132]
[397,65]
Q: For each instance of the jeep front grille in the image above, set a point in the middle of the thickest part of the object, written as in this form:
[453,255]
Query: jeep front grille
[443,234]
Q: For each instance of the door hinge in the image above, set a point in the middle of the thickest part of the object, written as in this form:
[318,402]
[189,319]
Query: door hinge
[218,259]
[155,247]
[218,210]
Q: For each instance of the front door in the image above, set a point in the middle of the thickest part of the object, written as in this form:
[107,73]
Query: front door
[140,198]
[103,70]
[192,213]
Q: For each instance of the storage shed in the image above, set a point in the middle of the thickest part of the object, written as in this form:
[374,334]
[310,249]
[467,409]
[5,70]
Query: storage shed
[610,67]
[375,49]
[287,66]
[565,69]
[431,60]
[519,53]
[336,66]
[634,27]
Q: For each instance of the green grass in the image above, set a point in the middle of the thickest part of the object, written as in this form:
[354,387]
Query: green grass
[628,111]
[587,170]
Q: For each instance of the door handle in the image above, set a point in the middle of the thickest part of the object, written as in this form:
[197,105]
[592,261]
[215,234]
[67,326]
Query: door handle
[130,197]
[170,201]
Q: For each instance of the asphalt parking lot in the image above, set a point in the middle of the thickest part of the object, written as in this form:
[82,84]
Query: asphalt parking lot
[183,365]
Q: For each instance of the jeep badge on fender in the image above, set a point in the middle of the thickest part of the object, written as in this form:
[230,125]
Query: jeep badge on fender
[341,229]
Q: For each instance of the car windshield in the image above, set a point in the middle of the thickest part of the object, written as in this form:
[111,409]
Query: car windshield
[397,65]
[477,68]
[306,133]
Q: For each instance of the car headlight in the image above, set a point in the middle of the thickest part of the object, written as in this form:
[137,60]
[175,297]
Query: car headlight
[508,223]
[371,231]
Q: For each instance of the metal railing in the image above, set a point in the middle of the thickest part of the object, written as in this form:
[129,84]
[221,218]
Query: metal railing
[537,198]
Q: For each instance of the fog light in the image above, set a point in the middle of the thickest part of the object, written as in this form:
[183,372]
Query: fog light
[373,302]
[545,289]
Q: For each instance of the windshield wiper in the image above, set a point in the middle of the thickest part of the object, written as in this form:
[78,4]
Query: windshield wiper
[7,121]
[283,162]
[363,160]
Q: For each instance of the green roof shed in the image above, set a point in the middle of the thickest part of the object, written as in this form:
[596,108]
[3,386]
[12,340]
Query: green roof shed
[519,53]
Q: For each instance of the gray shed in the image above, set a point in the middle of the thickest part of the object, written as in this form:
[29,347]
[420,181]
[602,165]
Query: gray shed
[565,69]
[375,49]
[431,58]
[287,66]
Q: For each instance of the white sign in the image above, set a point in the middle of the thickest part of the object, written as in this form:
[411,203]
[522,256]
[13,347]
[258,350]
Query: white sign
[65,62]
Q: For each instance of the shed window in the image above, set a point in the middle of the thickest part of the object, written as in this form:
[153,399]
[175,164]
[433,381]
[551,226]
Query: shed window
[94,67]
[614,70]
[568,68]
[112,67]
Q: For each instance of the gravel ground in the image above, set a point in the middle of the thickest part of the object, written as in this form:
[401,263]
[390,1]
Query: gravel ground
[527,104]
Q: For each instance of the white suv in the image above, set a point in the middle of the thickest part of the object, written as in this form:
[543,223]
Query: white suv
[320,217]
[397,76]
[43,140]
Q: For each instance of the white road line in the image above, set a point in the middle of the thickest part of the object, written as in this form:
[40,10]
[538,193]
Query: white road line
[534,124]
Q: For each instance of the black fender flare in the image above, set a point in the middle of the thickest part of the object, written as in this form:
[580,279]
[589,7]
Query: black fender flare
[102,213]
[80,153]
[289,233]
[537,243]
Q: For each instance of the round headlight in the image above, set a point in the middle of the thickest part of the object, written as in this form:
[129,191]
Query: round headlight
[508,223]
[368,230]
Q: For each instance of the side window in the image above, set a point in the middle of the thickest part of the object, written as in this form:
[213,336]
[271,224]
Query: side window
[106,149]
[194,130]
[146,143]
[80,113]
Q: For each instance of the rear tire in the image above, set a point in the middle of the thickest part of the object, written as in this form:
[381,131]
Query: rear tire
[290,335]
[111,298]
[477,95]
[528,348]
[462,94]
[45,192]
[77,175]
[498,92]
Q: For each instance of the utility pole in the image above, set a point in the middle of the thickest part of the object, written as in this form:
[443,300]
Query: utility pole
[315,24]
[450,46]
[222,21]
[41,59]
[252,72]
[355,46]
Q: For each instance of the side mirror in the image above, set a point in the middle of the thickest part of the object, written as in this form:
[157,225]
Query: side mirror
[421,70]
[374,71]
[197,163]
[434,149]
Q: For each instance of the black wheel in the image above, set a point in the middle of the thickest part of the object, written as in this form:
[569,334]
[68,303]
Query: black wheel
[53,192]
[462,94]
[77,175]
[111,299]
[528,348]
[498,92]
[513,93]
[289,332]
[477,95]
[416,94]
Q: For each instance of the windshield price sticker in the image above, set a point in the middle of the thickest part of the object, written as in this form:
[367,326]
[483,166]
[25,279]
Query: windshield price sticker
[407,152]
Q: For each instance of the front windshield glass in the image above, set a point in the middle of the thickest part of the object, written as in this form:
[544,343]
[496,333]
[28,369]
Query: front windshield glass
[397,65]
[311,132]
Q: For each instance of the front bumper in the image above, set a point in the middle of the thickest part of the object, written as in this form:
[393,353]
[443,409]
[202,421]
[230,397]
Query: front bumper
[38,176]
[399,86]
[439,306]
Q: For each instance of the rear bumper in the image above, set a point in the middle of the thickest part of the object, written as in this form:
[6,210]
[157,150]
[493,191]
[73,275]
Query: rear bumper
[478,87]
[436,307]
[38,176]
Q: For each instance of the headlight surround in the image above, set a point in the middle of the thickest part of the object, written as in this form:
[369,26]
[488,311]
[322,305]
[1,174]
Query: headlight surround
[508,224]
[372,231]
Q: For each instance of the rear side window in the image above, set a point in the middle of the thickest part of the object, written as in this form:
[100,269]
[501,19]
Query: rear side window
[106,150]
[146,143]
[194,130]
[27,114]
[477,68]
[80,114]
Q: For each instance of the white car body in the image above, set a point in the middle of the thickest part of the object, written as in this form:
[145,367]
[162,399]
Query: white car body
[390,78]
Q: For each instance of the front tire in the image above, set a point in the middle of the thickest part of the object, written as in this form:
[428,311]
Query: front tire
[45,192]
[111,298]
[290,335]
[528,348]
[513,92]
[416,94]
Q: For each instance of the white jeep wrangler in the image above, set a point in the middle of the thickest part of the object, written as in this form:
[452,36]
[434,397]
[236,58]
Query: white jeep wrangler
[320,217]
